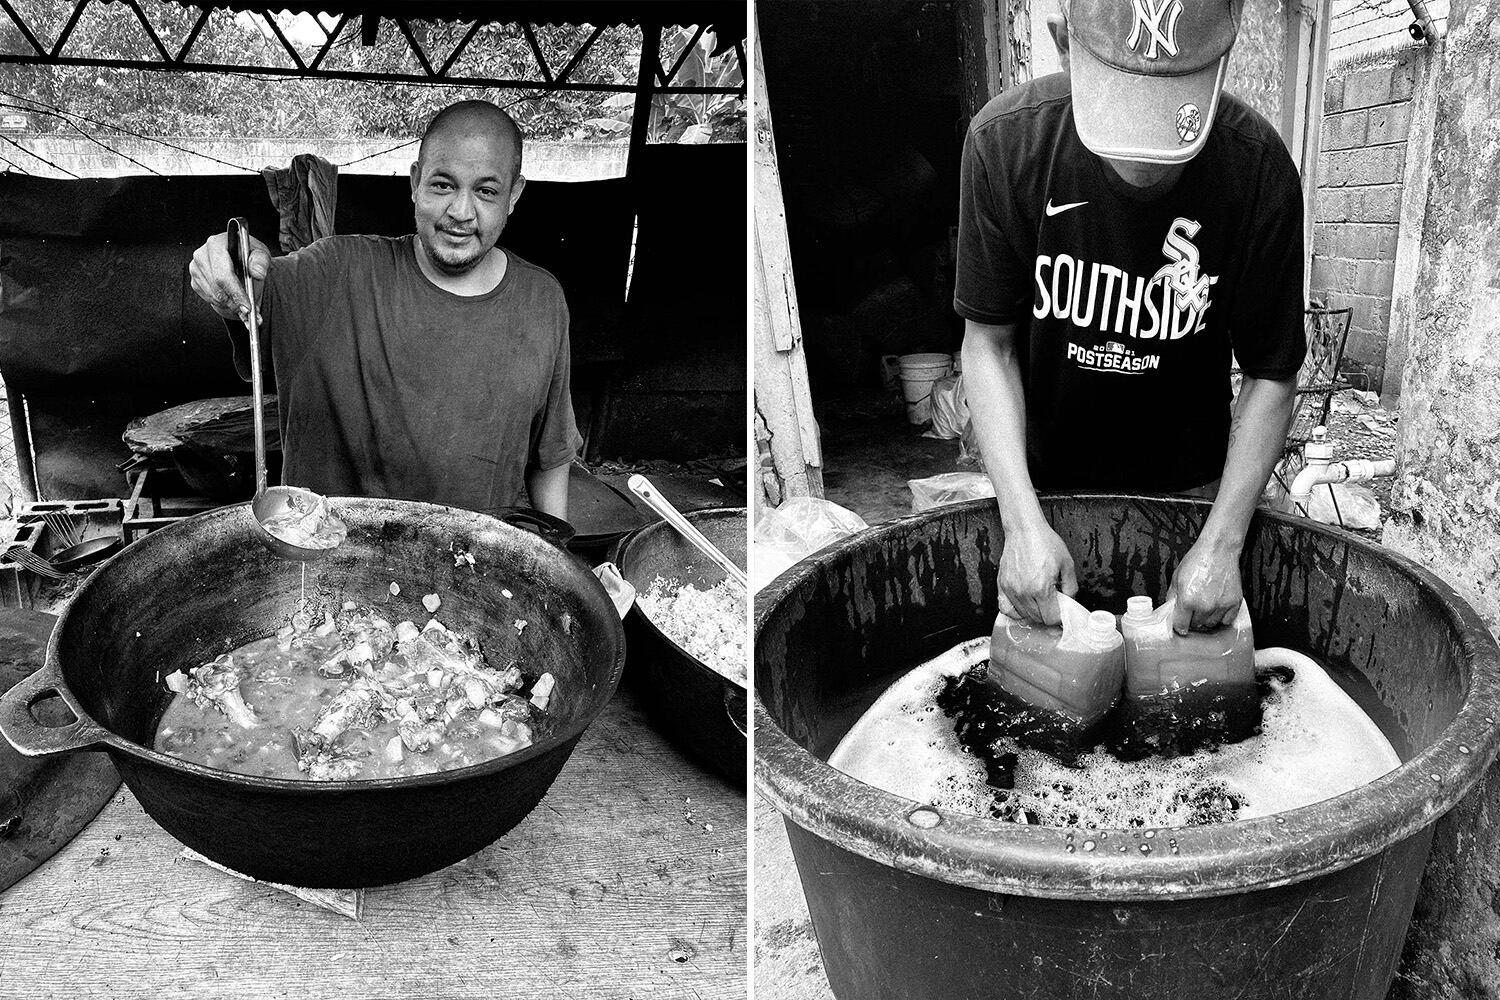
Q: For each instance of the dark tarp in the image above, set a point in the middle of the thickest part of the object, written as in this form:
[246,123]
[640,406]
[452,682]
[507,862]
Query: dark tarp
[687,306]
[98,325]
[93,273]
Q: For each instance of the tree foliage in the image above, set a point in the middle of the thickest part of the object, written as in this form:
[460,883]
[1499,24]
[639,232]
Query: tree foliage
[213,104]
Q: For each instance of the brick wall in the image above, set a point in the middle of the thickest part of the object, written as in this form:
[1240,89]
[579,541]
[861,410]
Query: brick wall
[1366,120]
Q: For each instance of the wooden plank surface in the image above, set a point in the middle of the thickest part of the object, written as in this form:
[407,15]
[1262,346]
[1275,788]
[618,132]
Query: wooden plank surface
[628,881]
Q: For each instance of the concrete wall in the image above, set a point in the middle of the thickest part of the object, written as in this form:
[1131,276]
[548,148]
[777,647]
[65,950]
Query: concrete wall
[1366,122]
[547,161]
[1448,492]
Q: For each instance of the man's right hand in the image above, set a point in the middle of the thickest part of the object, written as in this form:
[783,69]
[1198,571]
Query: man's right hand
[1034,565]
[214,280]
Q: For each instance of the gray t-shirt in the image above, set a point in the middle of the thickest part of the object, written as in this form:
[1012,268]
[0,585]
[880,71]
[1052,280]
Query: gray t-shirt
[390,386]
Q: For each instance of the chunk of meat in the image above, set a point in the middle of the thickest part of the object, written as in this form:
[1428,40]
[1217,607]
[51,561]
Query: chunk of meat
[216,684]
[358,706]
[324,760]
[419,737]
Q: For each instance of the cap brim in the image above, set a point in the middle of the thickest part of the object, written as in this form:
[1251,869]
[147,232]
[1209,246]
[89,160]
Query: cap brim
[1125,116]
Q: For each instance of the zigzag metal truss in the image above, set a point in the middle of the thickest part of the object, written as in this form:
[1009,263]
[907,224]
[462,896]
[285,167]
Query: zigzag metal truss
[547,78]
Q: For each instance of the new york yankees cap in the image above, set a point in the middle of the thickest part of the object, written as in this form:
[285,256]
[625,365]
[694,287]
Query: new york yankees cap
[1146,74]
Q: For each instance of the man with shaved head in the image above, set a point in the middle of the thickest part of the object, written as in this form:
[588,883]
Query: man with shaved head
[433,366]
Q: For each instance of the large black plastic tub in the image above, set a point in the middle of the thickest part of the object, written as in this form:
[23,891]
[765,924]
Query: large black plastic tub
[1312,904]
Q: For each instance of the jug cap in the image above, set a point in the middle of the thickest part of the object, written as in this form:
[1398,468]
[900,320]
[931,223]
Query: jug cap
[1138,607]
[1101,623]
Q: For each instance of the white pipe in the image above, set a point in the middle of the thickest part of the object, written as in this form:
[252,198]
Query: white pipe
[1320,473]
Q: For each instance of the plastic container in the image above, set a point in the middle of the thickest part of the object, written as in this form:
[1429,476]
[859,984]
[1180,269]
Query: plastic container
[1183,691]
[1074,669]
[1159,661]
[915,902]
[918,373]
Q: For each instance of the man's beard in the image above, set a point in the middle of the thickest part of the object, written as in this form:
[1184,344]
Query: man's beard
[453,262]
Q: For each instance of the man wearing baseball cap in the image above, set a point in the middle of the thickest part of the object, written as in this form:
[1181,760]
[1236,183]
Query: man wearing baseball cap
[1124,227]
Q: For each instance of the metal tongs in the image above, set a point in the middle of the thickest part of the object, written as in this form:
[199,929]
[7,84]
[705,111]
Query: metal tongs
[274,501]
[641,487]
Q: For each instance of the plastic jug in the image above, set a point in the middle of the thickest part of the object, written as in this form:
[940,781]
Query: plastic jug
[1186,690]
[1074,670]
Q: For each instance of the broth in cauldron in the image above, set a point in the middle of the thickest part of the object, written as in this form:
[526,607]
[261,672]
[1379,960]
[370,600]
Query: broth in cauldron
[351,696]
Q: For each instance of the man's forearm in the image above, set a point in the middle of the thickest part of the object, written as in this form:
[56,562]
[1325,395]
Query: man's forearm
[1257,434]
[549,490]
[997,410]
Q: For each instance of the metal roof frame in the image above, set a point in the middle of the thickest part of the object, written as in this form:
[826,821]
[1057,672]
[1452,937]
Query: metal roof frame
[650,18]
[726,19]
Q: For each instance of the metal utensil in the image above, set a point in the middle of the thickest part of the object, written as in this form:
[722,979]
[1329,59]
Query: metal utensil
[85,553]
[269,502]
[64,528]
[641,487]
[26,559]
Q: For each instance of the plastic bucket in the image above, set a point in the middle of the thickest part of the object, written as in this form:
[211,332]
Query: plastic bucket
[914,902]
[918,373]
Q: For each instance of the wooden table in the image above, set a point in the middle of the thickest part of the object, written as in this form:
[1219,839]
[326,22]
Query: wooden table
[628,881]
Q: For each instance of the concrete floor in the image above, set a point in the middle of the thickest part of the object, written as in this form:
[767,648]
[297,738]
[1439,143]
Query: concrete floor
[787,963]
[870,451]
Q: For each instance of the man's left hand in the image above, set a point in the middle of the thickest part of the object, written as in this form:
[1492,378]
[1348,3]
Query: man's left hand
[1206,587]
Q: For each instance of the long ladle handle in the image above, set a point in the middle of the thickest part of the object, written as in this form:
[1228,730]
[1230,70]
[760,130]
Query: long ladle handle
[239,254]
[641,487]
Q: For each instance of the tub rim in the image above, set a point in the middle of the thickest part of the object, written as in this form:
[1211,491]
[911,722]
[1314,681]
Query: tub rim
[1221,860]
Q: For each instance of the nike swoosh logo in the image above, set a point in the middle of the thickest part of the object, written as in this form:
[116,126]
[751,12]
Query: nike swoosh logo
[1059,209]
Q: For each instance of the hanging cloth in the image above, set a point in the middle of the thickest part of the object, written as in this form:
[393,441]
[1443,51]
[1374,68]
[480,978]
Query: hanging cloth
[305,195]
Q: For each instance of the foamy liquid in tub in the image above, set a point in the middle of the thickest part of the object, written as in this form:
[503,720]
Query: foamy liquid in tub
[1315,743]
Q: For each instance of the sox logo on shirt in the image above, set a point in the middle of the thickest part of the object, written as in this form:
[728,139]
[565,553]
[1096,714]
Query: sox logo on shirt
[1183,273]
[1129,309]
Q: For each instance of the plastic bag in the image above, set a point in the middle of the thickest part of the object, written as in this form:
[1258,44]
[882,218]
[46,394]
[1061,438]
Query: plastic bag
[621,593]
[949,487]
[1357,506]
[798,528]
[950,409]
[968,449]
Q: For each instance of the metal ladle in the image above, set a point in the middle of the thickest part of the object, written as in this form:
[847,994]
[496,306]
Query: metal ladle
[641,487]
[271,501]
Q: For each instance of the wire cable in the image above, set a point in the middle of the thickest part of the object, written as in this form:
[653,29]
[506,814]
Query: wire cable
[96,141]
[38,156]
[129,132]
[378,153]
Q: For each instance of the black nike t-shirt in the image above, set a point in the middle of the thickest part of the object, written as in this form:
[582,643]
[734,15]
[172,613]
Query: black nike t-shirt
[1129,305]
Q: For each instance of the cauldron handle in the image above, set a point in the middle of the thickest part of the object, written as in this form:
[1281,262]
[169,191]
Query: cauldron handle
[549,528]
[21,728]
[735,703]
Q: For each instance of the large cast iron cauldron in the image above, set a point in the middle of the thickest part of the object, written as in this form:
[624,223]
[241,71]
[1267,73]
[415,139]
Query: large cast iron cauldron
[699,708]
[915,903]
[189,592]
